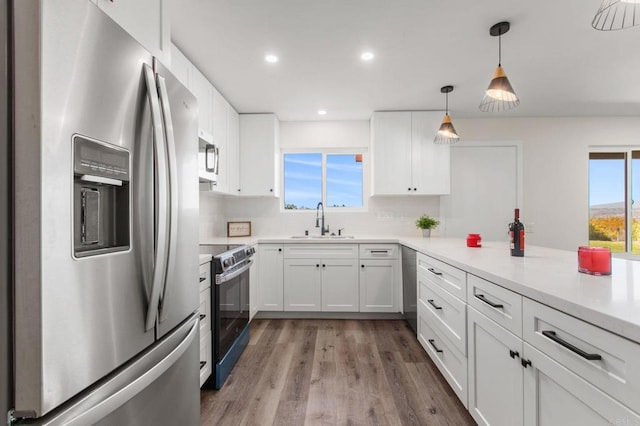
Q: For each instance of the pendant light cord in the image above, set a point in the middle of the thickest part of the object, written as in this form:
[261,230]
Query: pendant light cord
[446,96]
[500,50]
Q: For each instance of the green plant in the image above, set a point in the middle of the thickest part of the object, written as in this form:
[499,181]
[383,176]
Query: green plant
[426,222]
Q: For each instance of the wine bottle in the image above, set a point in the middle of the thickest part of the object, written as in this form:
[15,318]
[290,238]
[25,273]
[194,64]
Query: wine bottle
[516,236]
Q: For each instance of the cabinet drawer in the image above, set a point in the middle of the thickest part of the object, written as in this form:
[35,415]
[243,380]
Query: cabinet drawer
[205,357]
[501,305]
[378,251]
[322,251]
[446,276]
[570,342]
[205,311]
[446,312]
[451,363]
[205,276]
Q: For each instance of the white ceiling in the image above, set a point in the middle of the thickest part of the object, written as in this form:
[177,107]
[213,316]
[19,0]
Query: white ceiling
[557,64]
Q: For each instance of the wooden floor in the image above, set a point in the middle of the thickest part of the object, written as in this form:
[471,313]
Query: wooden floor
[333,372]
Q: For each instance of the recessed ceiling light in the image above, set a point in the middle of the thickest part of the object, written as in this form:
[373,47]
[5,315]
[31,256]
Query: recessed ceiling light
[322,112]
[367,56]
[272,59]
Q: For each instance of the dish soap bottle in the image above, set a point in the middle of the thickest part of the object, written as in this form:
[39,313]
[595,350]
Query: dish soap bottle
[516,236]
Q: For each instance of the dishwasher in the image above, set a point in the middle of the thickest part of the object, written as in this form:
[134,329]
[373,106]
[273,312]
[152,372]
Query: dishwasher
[410,287]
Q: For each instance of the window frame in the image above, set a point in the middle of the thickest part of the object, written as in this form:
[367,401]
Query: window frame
[324,152]
[627,151]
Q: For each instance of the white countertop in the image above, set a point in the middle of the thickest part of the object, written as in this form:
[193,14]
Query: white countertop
[546,275]
[204,258]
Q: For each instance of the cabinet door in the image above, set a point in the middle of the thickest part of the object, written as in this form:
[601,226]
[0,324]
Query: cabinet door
[270,285]
[181,67]
[253,286]
[302,284]
[234,153]
[495,373]
[430,162]
[220,137]
[554,395]
[259,155]
[378,285]
[340,290]
[391,153]
[145,20]
[202,89]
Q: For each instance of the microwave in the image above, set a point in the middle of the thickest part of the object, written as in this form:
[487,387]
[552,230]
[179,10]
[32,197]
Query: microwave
[208,159]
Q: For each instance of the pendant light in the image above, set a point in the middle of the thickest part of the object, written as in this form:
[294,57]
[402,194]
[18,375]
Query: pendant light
[617,15]
[446,133]
[499,96]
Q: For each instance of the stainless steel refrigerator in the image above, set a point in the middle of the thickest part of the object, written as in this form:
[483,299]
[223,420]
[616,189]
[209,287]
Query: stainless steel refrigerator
[103,271]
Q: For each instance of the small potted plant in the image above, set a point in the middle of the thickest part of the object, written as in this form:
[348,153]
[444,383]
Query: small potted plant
[426,223]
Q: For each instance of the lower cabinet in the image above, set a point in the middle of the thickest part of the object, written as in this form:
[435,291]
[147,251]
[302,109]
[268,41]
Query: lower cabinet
[495,372]
[253,285]
[270,271]
[378,292]
[205,313]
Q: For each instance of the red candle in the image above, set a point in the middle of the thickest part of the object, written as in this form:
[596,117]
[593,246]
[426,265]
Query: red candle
[594,260]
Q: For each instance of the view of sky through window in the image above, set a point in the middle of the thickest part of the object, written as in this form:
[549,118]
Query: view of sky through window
[303,185]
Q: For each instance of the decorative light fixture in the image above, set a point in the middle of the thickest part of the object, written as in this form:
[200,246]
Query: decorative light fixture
[367,56]
[272,59]
[322,112]
[446,133]
[499,96]
[617,15]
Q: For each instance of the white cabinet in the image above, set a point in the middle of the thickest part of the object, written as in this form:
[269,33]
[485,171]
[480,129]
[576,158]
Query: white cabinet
[259,155]
[220,123]
[495,372]
[233,149]
[270,271]
[253,286]
[181,67]
[404,158]
[203,91]
[379,278]
[321,278]
[553,395]
[145,20]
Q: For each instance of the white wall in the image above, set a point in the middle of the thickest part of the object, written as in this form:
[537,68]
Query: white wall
[555,179]
[556,154]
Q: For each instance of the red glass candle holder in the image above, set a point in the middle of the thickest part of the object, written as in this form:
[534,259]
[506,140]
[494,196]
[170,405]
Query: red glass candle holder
[474,240]
[594,260]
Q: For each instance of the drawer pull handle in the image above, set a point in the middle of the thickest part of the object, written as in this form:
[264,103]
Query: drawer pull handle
[552,335]
[202,317]
[202,278]
[434,346]
[202,364]
[489,302]
[433,271]
[433,304]
[514,354]
[380,251]
[525,362]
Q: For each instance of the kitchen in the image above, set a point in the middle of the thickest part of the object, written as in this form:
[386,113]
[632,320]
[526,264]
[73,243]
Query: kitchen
[575,99]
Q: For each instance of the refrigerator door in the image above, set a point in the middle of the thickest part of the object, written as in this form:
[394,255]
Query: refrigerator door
[180,295]
[76,319]
[159,387]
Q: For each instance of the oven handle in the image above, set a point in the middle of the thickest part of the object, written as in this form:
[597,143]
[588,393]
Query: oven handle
[222,278]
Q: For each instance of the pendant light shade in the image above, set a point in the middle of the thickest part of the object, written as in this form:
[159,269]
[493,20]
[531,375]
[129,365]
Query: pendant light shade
[446,133]
[617,15]
[499,96]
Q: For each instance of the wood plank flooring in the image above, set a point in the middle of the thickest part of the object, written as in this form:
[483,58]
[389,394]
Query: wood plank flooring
[333,372]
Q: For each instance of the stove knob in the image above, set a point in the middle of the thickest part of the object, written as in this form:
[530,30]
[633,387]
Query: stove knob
[250,251]
[228,262]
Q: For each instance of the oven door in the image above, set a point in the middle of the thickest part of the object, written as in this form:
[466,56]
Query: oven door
[231,313]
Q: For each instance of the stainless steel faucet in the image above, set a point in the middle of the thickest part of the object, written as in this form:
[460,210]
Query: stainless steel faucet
[320,220]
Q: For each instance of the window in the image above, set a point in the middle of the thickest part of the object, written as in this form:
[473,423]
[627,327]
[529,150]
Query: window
[614,185]
[334,179]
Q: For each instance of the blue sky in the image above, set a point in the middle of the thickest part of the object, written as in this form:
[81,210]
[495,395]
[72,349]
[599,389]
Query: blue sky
[606,181]
[303,180]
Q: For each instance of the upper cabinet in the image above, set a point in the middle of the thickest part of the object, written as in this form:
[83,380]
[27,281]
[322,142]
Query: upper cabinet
[234,152]
[404,158]
[203,91]
[181,67]
[260,155]
[146,20]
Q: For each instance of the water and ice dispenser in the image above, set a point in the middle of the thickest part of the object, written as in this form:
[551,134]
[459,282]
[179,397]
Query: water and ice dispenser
[101,206]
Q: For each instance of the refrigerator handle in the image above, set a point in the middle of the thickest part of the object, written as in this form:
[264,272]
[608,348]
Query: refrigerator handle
[83,415]
[160,153]
[173,184]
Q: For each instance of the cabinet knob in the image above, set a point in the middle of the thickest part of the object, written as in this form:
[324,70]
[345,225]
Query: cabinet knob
[408,189]
[514,354]
[362,266]
[525,362]
[279,249]
[324,266]
[271,190]
[415,189]
[317,265]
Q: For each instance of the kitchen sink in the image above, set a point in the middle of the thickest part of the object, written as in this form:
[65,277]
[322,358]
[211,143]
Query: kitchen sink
[322,237]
